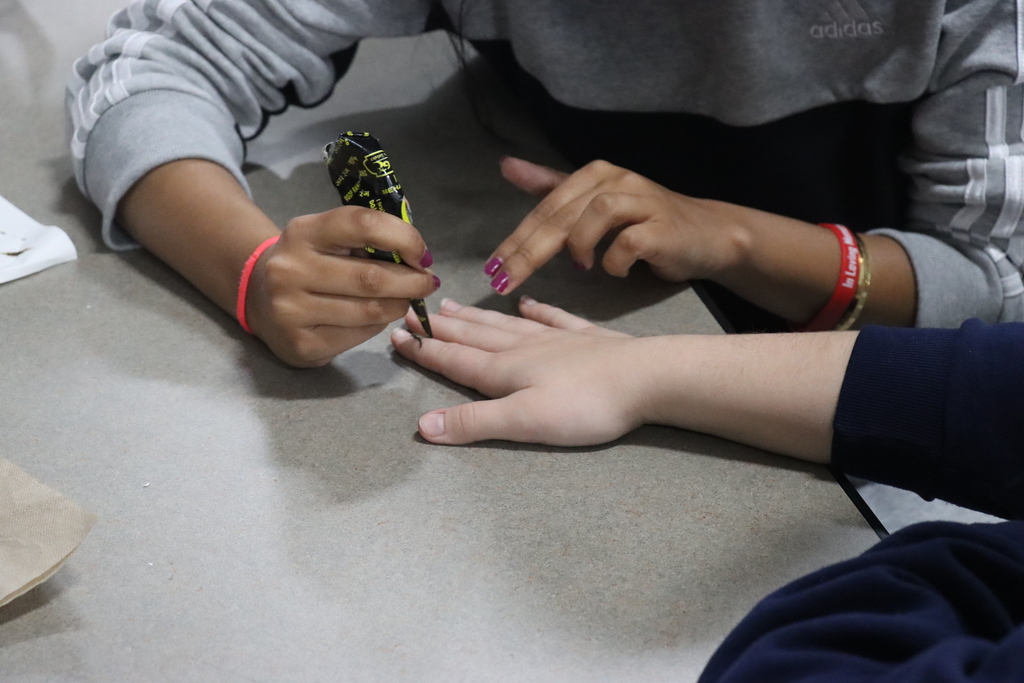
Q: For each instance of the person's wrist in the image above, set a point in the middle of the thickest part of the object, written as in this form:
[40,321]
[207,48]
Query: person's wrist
[683,382]
[735,232]
[651,363]
[256,298]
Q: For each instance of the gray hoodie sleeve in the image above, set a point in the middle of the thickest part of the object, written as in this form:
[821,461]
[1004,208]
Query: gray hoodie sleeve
[966,241]
[179,79]
[193,78]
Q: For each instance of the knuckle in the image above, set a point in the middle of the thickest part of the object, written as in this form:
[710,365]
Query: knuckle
[371,279]
[631,241]
[598,167]
[284,310]
[278,273]
[383,309]
[604,203]
[304,347]
[299,225]
[372,310]
[632,180]
[370,222]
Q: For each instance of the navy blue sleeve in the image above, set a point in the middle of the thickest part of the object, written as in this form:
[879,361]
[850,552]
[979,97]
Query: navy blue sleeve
[934,602]
[937,412]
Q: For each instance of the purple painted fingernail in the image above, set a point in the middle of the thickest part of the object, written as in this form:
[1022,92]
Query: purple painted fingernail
[427,259]
[437,282]
[578,266]
[500,282]
[492,266]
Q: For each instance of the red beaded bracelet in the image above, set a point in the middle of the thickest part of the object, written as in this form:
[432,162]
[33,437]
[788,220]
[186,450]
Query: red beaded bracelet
[846,286]
[243,283]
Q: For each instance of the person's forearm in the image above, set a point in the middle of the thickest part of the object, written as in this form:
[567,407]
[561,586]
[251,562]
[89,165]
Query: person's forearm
[790,268]
[194,216]
[777,392]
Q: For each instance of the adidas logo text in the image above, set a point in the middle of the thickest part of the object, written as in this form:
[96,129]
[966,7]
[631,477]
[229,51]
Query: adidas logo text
[849,29]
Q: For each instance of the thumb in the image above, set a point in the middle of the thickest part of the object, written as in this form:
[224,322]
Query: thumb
[469,422]
[530,177]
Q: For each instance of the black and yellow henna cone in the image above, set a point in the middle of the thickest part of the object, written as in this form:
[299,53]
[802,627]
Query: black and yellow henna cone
[362,174]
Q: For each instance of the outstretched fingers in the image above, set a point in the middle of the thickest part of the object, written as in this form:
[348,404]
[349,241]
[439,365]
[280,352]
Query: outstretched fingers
[536,243]
[482,316]
[552,316]
[468,333]
[536,317]
[462,364]
[522,252]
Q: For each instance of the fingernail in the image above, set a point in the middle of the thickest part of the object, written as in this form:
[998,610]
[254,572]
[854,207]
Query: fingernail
[437,282]
[427,259]
[400,335]
[450,306]
[500,283]
[578,266]
[527,301]
[492,266]
[502,158]
[432,424]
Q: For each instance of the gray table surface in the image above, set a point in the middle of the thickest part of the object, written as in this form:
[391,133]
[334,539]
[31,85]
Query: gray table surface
[269,524]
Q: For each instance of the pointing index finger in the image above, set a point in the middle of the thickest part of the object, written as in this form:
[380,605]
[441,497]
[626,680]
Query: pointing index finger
[544,231]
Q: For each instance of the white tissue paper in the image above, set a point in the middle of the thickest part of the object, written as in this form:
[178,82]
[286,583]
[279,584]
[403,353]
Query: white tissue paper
[27,246]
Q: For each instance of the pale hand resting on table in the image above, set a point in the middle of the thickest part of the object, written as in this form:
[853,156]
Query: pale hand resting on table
[311,295]
[783,265]
[556,379]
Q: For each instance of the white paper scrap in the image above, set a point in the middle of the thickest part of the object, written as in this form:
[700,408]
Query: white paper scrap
[27,246]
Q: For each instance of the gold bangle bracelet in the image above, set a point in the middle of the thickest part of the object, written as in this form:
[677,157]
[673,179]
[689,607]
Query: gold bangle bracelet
[863,283]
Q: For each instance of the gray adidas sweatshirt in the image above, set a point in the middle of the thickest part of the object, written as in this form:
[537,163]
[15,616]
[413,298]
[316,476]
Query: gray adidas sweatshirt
[175,77]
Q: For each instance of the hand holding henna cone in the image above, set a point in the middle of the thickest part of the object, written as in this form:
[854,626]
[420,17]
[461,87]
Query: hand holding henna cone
[362,174]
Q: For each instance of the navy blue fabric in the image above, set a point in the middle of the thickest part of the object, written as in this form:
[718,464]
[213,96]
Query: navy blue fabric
[939,412]
[937,602]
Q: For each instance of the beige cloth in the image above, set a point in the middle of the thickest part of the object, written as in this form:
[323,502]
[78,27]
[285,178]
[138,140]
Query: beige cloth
[39,529]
